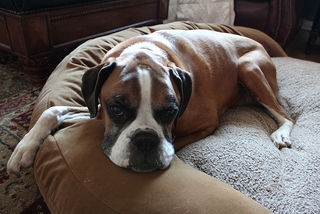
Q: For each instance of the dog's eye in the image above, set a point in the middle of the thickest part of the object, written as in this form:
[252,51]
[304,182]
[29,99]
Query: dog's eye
[117,111]
[171,111]
[167,114]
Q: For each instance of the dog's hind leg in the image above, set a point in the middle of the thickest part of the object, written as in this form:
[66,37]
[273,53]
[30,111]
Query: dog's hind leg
[25,151]
[257,73]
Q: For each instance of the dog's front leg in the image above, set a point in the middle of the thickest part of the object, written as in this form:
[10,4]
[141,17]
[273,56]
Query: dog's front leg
[258,74]
[24,153]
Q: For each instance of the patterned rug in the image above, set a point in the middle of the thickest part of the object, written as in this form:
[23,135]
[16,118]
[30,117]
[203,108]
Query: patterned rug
[18,93]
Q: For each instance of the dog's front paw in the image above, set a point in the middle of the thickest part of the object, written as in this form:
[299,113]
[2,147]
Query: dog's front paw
[22,156]
[281,137]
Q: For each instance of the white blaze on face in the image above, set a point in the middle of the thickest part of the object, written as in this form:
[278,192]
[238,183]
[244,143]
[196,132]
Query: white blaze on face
[120,152]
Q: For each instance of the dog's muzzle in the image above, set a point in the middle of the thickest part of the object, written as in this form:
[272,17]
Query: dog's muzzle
[147,152]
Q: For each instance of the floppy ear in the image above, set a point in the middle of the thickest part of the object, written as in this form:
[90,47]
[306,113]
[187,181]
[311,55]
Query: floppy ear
[92,82]
[183,81]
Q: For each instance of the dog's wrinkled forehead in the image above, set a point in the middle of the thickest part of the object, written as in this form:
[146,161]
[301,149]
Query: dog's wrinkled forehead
[137,83]
[129,79]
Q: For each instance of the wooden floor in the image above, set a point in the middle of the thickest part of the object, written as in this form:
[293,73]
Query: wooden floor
[296,47]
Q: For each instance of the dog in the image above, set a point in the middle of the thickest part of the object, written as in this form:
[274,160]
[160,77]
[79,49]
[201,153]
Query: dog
[157,93]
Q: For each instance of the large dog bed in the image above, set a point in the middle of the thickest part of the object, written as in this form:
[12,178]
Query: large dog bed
[74,176]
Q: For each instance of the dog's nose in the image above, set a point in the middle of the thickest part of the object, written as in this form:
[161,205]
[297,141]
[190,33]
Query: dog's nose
[145,140]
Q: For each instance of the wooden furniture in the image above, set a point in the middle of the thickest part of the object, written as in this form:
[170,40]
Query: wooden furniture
[41,37]
[314,35]
[279,19]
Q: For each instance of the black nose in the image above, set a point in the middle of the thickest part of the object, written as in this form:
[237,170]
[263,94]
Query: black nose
[145,140]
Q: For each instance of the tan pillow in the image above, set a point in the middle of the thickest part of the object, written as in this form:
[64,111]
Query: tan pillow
[74,176]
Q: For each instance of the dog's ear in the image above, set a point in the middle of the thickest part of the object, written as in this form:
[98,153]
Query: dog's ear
[92,82]
[183,81]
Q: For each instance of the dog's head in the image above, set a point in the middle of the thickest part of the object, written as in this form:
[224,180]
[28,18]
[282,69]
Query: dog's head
[140,103]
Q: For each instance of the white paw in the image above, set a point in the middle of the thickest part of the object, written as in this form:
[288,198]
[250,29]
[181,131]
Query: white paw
[23,155]
[281,137]
[280,140]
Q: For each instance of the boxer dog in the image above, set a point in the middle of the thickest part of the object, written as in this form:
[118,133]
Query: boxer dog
[159,92]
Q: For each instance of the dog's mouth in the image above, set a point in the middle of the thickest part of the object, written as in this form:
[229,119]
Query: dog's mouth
[149,162]
[141,152]
[145,162]
[146,167]
[141,161]
[152,153]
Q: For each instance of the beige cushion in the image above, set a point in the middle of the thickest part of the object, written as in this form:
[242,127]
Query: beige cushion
[74,176]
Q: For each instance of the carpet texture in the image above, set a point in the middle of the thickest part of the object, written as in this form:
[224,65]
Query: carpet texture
[241,153]
[18,93]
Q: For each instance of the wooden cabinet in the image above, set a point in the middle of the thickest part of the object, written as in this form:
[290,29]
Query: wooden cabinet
[39,38]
